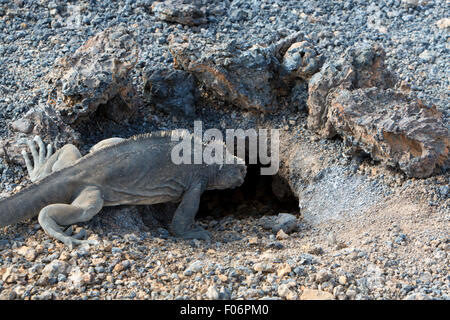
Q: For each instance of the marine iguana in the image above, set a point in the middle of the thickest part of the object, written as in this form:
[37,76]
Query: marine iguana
[70,188]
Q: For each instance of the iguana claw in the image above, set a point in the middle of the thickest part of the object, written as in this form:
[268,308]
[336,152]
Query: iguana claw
[39,157]
[199,234]
[71,242]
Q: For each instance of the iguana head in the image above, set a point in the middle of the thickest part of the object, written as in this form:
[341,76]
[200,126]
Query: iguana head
[227,176]
[226,171]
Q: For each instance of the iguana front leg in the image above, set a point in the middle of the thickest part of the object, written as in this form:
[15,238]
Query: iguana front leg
[183,220]
[86,205]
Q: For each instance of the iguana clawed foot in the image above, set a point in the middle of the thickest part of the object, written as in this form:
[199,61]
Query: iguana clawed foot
[78,236]
[69,239]
[39,157]
[200,235]
[71,242]
[196,232]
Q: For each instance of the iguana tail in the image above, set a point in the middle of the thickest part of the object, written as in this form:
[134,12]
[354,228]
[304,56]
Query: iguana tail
[28,202]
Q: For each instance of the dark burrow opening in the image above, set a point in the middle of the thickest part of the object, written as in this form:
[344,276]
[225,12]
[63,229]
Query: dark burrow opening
[255,197]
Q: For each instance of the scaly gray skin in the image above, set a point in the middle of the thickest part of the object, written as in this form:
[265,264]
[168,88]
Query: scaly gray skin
[70,188]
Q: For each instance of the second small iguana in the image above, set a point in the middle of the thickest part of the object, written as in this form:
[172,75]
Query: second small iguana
[70,188]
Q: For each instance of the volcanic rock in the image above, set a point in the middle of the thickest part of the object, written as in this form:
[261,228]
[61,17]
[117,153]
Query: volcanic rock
[95,74]
[179,11]
[173,91]
[250,77]
[361,67]
[392,127]
[43,121]
[354,98]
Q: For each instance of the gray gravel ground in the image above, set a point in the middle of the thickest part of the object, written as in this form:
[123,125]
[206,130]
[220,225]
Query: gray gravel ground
[391,249]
